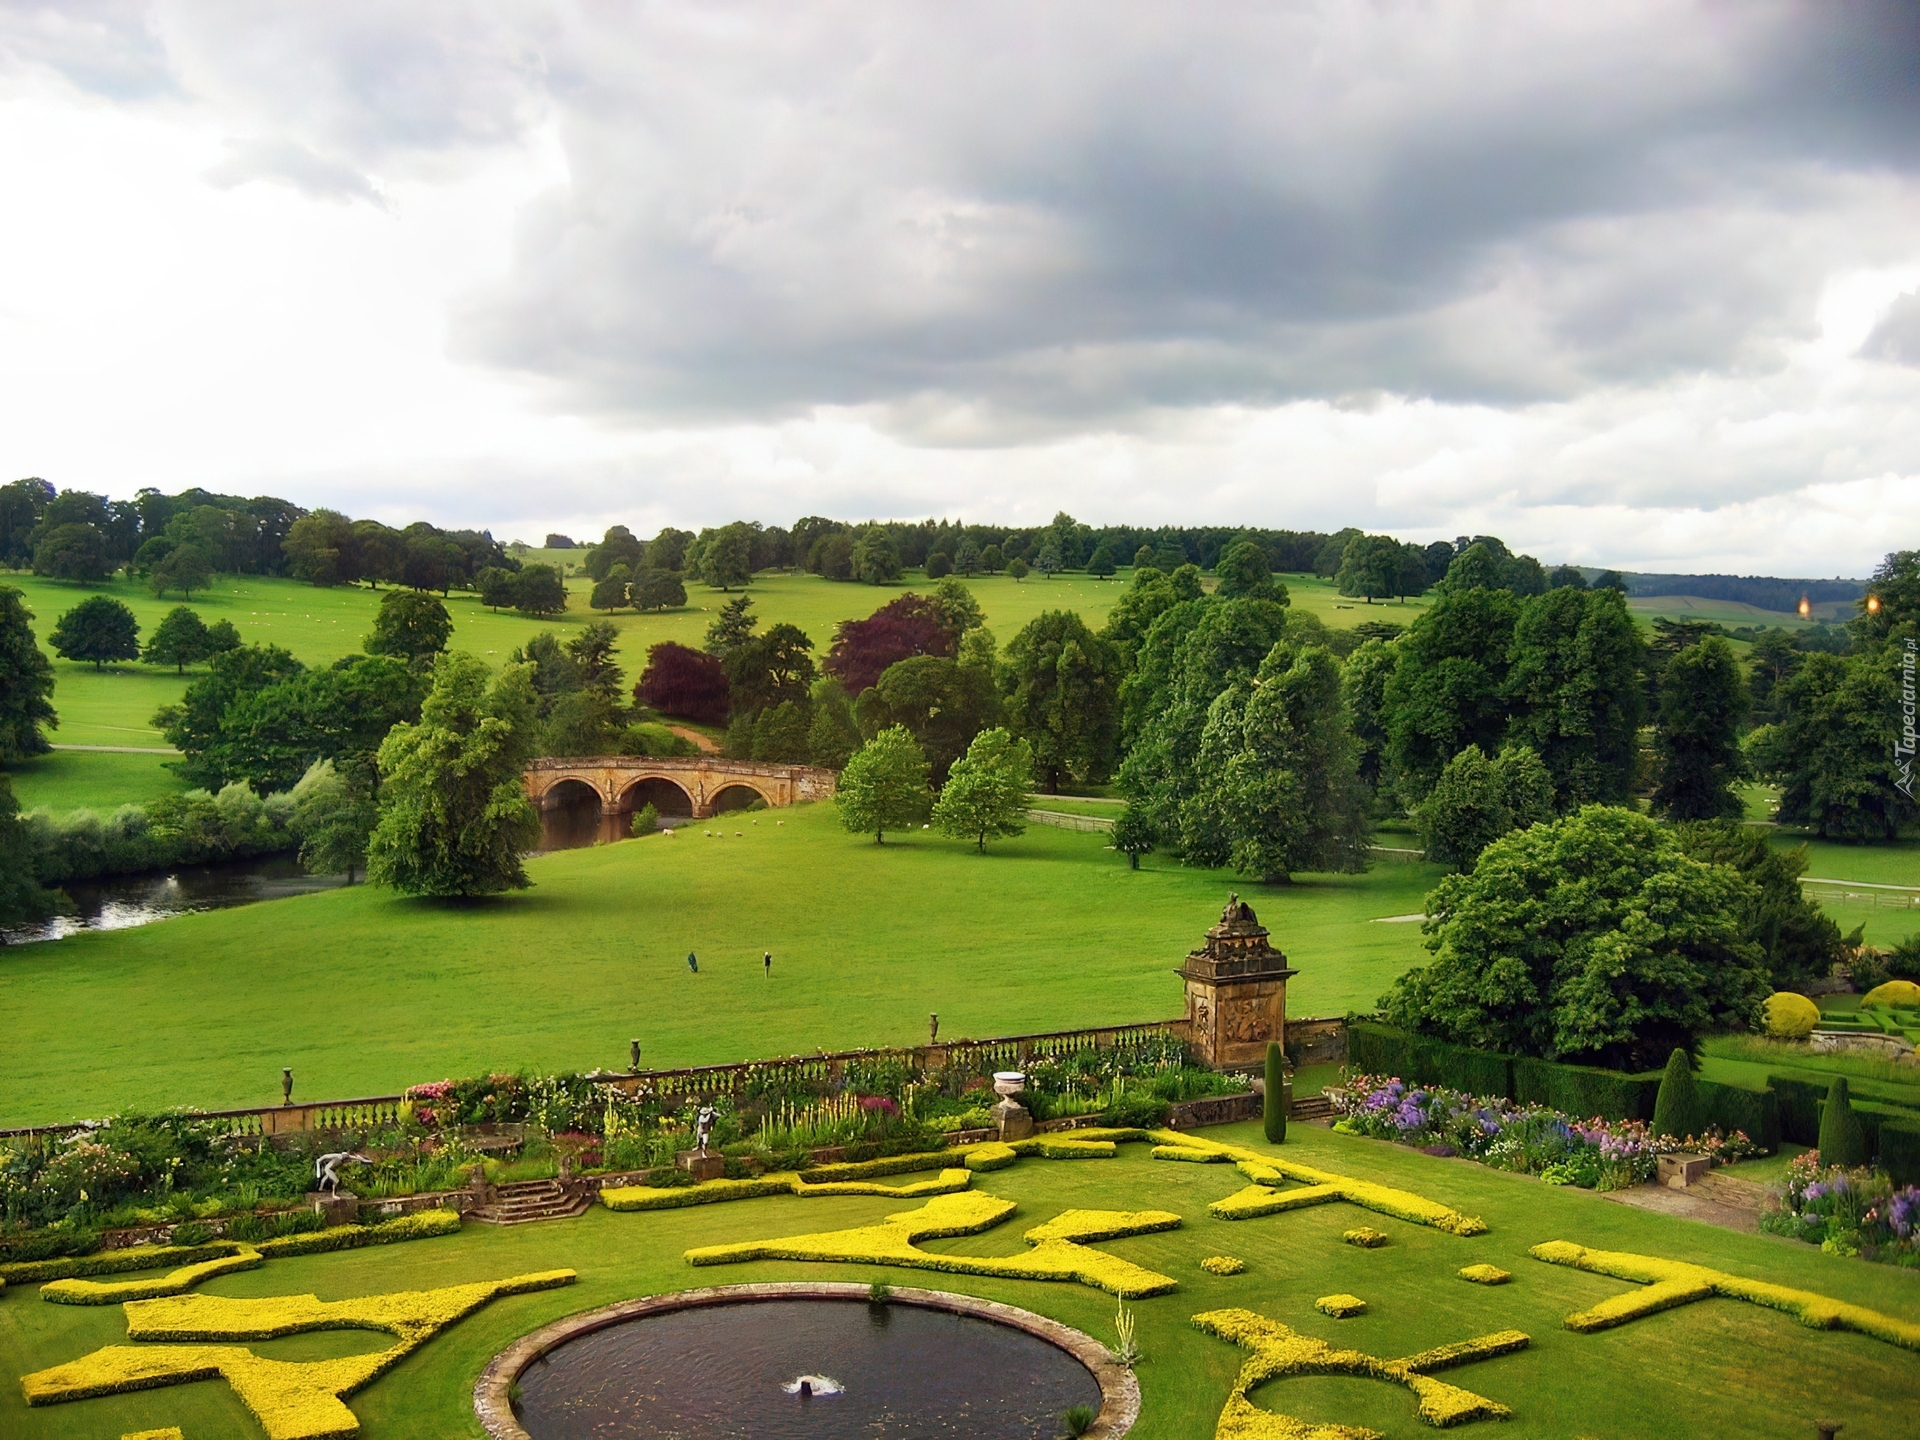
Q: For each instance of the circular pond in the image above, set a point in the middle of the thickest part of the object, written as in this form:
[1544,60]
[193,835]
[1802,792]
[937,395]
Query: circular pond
[730,1370]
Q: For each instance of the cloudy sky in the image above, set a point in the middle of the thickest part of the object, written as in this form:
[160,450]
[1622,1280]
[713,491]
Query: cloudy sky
[1634,283]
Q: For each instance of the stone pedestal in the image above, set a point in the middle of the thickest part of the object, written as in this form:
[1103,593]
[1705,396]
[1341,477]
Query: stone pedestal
[1236,991]
[1679,1171]
[1012,1119]
[708,1166]
[338,1206]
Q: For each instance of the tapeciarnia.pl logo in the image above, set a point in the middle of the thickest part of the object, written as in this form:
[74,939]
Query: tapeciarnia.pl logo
[1903,744]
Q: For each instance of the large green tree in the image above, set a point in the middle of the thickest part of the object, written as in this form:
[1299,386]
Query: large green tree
[21,897]
[1798,939]
[539,590]
[1371,566]
[185,568]
[179,640]
[411,626]
[72,552]
[270,736]
[99,629]
[196,725]
[985,796]
[1061,685]
[1363,681]
[1448,687]
[1595,939]
[1703,699]
[26,682]
[884,786]
[943,704]
[1244,575]
[454,818]
[876,559]
[334,812]
[1833,752]
[1477,800]
[1280,789]
[1573,689]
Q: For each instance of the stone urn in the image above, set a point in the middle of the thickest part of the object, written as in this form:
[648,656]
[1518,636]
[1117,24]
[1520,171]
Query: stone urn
[1011,1119]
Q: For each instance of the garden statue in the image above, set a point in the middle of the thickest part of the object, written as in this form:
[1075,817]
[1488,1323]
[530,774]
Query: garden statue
[326,1173]
[703,1127]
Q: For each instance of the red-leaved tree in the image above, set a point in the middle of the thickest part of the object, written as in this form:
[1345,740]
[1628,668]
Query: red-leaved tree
[679,681]
[863,649]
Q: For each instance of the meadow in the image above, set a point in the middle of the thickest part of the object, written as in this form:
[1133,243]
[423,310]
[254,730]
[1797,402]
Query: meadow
[1713,1368]
[363,992]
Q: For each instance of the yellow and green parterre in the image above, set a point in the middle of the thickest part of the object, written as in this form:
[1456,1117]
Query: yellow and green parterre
[292,1400]
[1278,1351]
[1061,1247]
[1669,1283]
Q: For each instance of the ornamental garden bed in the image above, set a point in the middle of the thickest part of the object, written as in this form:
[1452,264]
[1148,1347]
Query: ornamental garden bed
[1740,1348]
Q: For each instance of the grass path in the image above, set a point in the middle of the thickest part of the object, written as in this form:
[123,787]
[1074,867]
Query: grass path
[1715,1368]
[362,992]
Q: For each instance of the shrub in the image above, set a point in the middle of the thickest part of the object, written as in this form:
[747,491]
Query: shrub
[1485,1274]
[1799,1101]
[421,1226]
[1677,1110]
[1842,1141]
[1365,1237]
[1900,1150]
[1341,1307]
[1274,1103]
[1791,1016]
[1895,994]
[1223,1265]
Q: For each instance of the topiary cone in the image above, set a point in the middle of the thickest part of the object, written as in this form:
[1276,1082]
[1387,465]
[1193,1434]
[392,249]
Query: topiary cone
[1274,1111]
[1677,1110]
[1842,1141]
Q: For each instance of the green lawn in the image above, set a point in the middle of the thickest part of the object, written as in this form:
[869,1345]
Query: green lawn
[73,779]
[362,992]
[1886,916]
[1733,613]
[1714,1368]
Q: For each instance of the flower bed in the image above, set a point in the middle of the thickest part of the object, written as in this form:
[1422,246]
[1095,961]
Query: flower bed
[1846,1212]
[1593,1154]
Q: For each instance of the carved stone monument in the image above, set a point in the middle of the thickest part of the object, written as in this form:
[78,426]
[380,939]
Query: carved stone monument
[702,1164]
[1236,991]
[1011,1119]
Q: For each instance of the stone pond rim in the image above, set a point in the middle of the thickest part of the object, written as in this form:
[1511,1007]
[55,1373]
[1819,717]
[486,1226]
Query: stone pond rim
[1119,1390]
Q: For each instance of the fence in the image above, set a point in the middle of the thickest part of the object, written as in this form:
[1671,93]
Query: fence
[1860,892]
[1061,820]
[1308,1040]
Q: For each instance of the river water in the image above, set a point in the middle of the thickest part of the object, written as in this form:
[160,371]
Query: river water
[122,901]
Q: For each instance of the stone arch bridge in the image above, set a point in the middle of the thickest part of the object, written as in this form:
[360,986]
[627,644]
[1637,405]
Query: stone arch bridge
[693,786]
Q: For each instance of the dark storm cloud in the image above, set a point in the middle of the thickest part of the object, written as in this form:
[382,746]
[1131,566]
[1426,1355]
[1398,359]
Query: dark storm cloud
[1002,220]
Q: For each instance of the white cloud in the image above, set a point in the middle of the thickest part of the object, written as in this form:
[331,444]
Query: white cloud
[1630,284]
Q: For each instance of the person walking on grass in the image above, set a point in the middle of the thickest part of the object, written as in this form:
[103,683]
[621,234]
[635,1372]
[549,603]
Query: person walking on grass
[766,961]
[693,962]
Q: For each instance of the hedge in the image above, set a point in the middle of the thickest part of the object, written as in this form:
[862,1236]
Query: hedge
[1378,1049]
[114,1262]
[1900,1150]
[174,1282]
[1799,1102]
[1667,1283]
[1735,1107]
[421,1226]
[1584,1091]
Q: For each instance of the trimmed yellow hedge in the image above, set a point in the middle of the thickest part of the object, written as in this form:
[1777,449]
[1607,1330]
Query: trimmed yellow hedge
[292,1401]
[1057,1254]
[1365,1237]
[1340,1307]
[174,1282]
[1223,1265]
[1668,1283]
[1188,1153]
[989,1155]
[423,1225]
[1895,994]
[1318,1188]
[172,1432]
[1279,1351]
[1790,1016]
[114,1262]
[781,1182]
[1048,1148]
[887,1165]
[1485,1274]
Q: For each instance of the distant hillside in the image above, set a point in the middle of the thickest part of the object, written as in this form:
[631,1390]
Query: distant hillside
[1766,592]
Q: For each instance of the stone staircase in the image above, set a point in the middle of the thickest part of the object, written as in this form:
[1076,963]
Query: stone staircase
[525,1201]
[1311,1107]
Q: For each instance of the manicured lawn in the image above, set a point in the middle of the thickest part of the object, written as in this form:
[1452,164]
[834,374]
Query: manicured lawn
[1714,1368]
[1887,916]
[72,779]
[362,992]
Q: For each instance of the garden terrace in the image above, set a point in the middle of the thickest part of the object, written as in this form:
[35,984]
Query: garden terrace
[1718,1366]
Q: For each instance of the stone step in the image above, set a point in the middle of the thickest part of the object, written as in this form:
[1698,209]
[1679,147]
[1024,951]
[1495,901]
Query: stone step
[1311,1107]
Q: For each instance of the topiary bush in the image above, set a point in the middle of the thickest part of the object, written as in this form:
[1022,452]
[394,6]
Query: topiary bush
[1274,1110]
[1677,1110]
[1842,1140]
[1790,1016]
[1895,994]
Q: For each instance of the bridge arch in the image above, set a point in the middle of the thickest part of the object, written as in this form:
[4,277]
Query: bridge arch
[665,794]
[693,787]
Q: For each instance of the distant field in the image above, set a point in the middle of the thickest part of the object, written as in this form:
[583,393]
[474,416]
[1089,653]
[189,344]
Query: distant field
[362,992]
[1733,612]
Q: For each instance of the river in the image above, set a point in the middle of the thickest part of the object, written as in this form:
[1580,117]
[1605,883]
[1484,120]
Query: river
[118,902]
